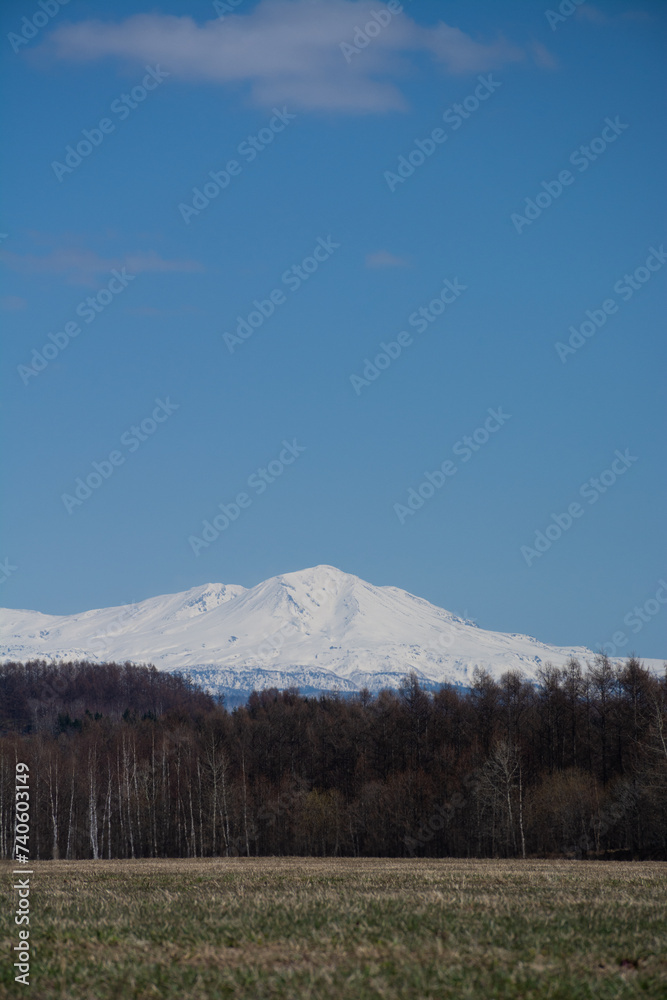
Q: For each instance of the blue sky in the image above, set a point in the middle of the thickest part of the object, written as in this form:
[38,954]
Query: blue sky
[314,210]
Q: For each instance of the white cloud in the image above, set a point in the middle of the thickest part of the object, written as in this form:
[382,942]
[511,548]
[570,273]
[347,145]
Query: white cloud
[82,267]
[287,51]
[382,259]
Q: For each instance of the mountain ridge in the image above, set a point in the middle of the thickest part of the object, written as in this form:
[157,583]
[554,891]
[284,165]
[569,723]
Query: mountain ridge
[317,629]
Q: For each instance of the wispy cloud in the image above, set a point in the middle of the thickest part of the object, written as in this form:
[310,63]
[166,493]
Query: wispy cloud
[82,267]
[543,58]
[155,312]
[287,51]
[12,303]
[587,12]
[383,259]
[637,15]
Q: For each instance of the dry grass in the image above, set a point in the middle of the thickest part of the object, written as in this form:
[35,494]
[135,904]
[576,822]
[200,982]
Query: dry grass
[332,929]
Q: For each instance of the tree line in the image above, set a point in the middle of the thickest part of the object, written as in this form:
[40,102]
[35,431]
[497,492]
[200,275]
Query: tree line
[130,762]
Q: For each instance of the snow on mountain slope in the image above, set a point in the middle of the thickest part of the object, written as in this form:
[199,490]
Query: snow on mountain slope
[316,629]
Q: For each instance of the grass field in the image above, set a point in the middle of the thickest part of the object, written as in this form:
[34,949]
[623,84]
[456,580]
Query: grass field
[341,928]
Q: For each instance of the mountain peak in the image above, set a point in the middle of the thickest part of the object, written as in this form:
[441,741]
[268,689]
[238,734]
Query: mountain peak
[317,574]
[318,629]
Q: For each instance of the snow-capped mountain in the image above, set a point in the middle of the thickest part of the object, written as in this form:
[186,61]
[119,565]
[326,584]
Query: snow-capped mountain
[317,629]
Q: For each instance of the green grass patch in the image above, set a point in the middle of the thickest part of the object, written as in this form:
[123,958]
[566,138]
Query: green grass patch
[342,929]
